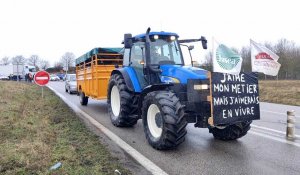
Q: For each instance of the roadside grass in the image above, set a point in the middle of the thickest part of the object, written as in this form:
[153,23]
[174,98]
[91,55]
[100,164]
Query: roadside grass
[36,133]
[282,91]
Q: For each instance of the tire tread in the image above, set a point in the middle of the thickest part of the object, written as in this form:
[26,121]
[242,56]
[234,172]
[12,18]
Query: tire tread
[126,118]
[231,132]
[174,132]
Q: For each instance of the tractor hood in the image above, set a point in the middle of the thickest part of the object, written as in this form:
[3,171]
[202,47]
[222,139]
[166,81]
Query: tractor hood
[183,73]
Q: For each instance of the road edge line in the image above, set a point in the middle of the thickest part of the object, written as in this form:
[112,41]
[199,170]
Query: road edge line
[280,113]
[145,162]
[270,129]
[274,138]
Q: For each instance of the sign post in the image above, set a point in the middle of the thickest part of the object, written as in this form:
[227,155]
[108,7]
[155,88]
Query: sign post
[42,78]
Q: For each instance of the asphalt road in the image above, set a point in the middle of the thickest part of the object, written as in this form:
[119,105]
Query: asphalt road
[264,150]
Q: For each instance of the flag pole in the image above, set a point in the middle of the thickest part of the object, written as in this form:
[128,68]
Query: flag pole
[212,51]
[251,56]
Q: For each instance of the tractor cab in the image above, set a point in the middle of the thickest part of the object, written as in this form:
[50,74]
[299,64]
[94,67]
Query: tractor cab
[156,58]
[148,52]
[164,48]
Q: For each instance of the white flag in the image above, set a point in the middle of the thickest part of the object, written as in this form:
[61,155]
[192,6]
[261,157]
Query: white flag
[225,60]
[263,59]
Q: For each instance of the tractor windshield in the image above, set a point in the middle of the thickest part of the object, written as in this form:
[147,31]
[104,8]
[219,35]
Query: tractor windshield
[164,51]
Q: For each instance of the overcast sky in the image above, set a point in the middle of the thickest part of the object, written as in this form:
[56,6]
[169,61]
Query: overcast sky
[49,28]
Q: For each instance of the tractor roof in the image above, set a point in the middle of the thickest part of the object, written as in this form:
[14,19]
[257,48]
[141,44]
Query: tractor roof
[156,33]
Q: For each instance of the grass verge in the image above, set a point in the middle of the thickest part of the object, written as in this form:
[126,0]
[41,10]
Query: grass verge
[282,91]
[37,133]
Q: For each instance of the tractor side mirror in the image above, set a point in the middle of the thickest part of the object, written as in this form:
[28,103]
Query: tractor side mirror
[128,41]
[191,47]
[204,42]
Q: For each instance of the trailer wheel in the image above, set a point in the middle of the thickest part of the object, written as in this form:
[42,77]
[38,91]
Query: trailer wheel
[83,99]
[163,120]
[120,103]
[231,132]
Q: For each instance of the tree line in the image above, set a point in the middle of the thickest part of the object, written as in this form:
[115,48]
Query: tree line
[67,62]
[33,60]
[289,58]
[287,50]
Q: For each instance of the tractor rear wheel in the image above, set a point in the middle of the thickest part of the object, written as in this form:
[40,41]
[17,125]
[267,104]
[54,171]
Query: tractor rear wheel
[163,120]
[120,102]
[231,132]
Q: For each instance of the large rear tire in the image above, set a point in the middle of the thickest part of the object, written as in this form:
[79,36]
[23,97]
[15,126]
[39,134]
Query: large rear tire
[120,103]
[163,120]
[231,132]
[83,99]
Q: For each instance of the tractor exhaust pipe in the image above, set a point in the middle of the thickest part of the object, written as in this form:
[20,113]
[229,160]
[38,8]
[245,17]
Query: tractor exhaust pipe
[148,55]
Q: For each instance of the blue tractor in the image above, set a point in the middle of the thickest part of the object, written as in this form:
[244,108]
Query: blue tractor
[155,85]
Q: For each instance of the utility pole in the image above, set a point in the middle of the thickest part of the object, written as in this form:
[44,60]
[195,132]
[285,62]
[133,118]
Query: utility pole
[17,71]
[67,67]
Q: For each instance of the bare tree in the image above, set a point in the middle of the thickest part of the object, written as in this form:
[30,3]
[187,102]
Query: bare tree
[44,64]
[18,60]
[58,66]
[208,58]
[33,60]
[286,50]
[246,55]
[68,60]
[5,60]
[208,61]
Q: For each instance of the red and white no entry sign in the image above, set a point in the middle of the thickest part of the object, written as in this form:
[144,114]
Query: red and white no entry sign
[41,78]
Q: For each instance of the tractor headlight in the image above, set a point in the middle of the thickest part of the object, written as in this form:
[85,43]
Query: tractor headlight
[172,38]
[201,86]
[169,79]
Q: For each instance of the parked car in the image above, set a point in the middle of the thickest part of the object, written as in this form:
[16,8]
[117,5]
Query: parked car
[54,78]
[61,76]
[70,83]
[3,77]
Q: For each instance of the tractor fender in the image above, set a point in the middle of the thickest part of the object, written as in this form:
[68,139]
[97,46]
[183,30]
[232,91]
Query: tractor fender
[126,77]
[150,88]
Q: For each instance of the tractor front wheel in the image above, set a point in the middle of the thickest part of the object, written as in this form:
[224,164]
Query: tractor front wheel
[120,103]
[231,132]
[163,120]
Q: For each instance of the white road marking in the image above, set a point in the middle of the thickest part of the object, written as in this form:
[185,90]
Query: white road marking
[267,132]
[41,78]
[145,162]
[269,129]
[277,113]
[275,138]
